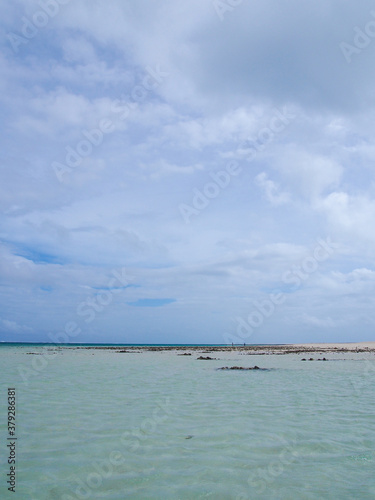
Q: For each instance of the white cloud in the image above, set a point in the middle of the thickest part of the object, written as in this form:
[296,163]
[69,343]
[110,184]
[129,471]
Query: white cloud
[308,174]
[271,190]
[13,327]
[326,323]
[352,215]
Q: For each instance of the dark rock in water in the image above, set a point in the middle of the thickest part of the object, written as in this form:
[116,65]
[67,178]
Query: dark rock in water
[241,368]
[185,354]
[303,359]
[324,359]
[205,358]
[311,359]
[129,352]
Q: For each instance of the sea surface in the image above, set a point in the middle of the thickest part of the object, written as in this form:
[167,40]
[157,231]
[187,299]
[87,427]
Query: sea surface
[94,423]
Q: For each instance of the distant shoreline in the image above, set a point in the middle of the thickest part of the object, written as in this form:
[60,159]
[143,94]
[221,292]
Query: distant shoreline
[249,349]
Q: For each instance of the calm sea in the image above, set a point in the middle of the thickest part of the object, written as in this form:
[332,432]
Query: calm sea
[155,425]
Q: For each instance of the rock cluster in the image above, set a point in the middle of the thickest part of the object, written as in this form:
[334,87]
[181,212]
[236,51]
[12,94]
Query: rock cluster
[312,359]
[241,368]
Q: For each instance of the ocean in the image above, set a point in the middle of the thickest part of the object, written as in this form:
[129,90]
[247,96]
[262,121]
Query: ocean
[96,423]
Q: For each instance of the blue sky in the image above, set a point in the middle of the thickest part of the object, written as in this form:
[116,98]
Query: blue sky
[193,171]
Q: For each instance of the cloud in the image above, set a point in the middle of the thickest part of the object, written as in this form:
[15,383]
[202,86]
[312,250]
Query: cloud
[13,327]
[326,323]
[187,92]
[350,214]
[271,190]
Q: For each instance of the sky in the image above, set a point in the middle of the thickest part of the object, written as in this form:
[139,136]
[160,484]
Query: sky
[191,171]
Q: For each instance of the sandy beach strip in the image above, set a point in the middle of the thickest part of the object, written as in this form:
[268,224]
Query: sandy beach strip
[245,349]
[348,346]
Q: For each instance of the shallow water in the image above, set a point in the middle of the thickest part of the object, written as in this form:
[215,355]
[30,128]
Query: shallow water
[154,425]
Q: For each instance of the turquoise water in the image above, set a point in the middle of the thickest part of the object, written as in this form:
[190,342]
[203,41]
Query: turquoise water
[154,425]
